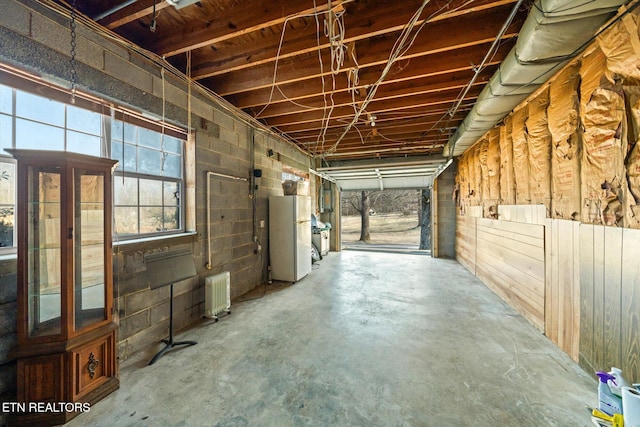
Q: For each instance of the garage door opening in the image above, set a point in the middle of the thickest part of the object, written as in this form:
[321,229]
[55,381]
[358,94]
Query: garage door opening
[388,220]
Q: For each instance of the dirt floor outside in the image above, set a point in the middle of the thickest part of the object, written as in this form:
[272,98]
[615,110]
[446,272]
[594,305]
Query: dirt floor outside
[391,228]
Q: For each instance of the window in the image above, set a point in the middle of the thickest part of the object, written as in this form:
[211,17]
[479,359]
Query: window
[148,181]
[7,205]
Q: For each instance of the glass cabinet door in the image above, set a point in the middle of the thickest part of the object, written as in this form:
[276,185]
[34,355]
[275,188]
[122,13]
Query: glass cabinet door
[44,252]
[89,242]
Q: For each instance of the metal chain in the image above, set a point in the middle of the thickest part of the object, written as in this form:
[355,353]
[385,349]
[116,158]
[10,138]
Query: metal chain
[72,60]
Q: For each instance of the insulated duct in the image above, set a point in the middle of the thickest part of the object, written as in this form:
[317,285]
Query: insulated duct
[552,34]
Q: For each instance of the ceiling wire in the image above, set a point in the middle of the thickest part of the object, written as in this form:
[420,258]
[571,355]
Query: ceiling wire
[315,15]
[399,47]
[324,93]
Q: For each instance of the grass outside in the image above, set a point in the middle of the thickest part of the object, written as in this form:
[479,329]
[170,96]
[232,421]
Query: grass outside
[393,228]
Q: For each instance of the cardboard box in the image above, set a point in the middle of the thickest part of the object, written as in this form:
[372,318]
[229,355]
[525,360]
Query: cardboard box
[295,188]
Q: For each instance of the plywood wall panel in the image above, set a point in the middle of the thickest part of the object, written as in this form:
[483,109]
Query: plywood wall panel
[598,295]
[466,242]
[576,297]
[510,261]
[562,296]
[612,292]
[610,299]
[630,309]
[529,214]
[551,277]
[587,317]
[499,280]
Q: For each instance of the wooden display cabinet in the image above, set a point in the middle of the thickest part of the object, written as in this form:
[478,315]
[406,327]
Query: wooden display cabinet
[66,350]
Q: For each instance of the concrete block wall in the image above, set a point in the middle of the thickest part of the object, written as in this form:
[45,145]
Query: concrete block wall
[446,213]
[35,39]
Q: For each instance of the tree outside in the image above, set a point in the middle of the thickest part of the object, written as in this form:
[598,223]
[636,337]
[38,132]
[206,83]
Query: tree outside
[387,217]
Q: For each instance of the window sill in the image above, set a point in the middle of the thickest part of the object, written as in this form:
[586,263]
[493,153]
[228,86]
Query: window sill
[8,257]
[150,242]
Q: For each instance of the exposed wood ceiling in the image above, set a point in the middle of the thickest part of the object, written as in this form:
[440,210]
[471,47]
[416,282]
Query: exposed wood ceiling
[273,59]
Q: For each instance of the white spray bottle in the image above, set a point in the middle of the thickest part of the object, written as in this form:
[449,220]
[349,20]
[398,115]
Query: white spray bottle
[618,382]
[607,401]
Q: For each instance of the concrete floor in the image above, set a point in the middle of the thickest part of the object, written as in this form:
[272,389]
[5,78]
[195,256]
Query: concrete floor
[367,339]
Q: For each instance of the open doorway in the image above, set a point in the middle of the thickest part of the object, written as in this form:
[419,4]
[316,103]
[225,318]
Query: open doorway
[386,220]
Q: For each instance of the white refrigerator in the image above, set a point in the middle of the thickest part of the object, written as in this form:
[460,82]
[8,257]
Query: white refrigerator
[290,237]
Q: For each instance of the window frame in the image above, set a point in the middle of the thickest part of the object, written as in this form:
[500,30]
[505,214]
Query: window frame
[11,250]
[108,112]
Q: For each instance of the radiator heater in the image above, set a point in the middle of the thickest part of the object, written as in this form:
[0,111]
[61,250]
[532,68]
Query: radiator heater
[217,295]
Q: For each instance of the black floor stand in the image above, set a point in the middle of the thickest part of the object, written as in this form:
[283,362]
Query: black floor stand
[169,341]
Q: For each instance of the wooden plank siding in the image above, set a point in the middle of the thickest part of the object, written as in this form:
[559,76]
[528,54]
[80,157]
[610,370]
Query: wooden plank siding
[610,299]
[466,242]
[586,297]
[630,309]
[562,294]
[612,288]
[529,214]
[578,283]
[511,262]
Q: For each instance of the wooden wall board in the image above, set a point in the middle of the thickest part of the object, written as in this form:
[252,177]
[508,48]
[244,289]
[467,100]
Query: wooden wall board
[475,211]
[610,299]
[586,297]
[503,286]
[523,235]
[518,240]
[525,288]
[612,282]
[513,269]
[562,288]
[466,242]
[598,296]
[575,338]
[578,283]
[630,295]
[527,271]
[518,251]
[519,282]
[529,214]
[552,273]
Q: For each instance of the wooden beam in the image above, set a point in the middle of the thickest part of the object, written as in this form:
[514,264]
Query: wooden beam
[383,106]
[402,90]
[312,88]
[390,126]
[249,21]
[131,13]
[361,23]
[293,130]
[422,64]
